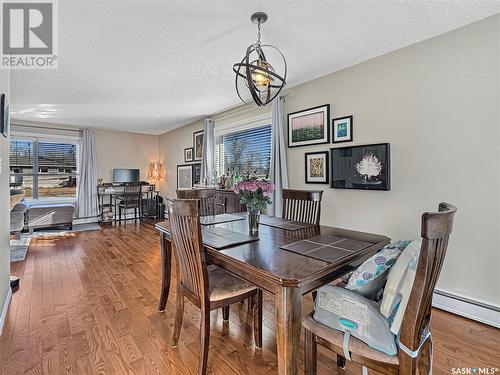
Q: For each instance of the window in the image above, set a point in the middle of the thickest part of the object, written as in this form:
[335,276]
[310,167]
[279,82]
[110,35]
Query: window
[243,152]
[46,169]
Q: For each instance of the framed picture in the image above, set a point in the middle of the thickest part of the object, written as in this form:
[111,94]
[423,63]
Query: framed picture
[316,167]
[365,167]
[196,173]
[198,144]
[4,115]
[185,176]
[309,127]
[342,129]
[188,154]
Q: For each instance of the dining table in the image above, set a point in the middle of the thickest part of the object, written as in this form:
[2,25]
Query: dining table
[286,263]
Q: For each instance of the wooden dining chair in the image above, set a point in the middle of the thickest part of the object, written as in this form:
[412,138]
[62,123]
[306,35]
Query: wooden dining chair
[130,199]
[302,205]
[206,199]
[435,231]
[206,289]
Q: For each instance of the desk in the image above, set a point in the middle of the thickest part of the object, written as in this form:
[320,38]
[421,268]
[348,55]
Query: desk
[107,201]
[286,274]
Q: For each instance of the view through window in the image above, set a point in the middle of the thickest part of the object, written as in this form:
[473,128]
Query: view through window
[45,169]
[243,152]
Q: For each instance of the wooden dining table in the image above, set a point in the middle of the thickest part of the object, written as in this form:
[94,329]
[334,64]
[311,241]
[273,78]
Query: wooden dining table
[314,256]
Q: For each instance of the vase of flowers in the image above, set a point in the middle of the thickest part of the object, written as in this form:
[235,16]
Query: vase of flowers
[256,194]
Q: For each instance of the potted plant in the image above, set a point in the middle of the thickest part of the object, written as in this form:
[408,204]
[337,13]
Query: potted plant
[256,194]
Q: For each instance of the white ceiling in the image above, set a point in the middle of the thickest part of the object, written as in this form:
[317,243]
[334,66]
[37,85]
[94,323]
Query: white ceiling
[152,66]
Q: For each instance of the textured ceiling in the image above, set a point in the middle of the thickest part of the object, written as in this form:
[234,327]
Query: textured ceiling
[151,66]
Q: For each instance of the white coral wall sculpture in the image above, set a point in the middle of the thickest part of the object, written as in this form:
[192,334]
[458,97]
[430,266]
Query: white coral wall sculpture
[369,166]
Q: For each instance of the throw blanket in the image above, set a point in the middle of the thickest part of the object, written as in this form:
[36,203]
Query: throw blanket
[399,285]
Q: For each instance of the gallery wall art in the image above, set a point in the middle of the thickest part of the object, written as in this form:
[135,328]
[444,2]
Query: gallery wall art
[309,127]
[365,167]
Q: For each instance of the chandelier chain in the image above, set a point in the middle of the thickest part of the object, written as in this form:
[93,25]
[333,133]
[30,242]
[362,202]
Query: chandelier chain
[258,32]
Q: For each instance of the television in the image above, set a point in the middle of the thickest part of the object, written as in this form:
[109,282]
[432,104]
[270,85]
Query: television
[365,167]
[125,175]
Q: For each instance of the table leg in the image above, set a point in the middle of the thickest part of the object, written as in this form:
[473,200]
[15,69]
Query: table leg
[166,264]
[288,326]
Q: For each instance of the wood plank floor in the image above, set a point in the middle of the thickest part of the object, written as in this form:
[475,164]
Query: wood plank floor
[87,305]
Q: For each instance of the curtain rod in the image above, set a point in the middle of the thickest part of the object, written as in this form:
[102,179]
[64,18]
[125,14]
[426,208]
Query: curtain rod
[48,127]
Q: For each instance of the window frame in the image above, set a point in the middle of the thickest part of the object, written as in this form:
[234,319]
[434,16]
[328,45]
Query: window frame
[35,173]
[230,127]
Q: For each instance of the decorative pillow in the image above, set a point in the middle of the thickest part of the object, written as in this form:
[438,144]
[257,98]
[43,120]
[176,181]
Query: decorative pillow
[399,285]
[369,278]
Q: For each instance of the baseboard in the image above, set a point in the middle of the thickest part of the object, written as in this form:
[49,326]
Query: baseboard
[85,220]
[5,309]
[476,310]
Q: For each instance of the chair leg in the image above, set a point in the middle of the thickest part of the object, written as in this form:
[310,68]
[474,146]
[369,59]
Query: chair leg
[135,215]
[179,315]
[341,361]
[225,313]
[257,319]
[250,305]
[310,353]
[205,340]
[425,358]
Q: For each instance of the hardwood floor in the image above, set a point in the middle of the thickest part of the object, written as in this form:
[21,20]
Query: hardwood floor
[87,305]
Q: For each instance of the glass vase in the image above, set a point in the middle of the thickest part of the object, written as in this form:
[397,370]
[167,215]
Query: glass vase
[253,220]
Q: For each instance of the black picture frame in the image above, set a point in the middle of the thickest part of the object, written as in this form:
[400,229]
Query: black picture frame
[344,164]
[198,146]
[326,156]
[4,115]
[302,113]
[349,129]
[186,167]
[196,173]
[186,153]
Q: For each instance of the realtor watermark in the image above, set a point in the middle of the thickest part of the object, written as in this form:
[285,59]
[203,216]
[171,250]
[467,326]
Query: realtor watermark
[475,370]
[29,34]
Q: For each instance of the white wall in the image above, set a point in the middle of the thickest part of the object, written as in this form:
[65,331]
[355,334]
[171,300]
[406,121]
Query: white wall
[4,202]
[437,103]
[124,150]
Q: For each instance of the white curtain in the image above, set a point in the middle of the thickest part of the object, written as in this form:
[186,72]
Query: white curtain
[279,170]
[208,158]
[87,183]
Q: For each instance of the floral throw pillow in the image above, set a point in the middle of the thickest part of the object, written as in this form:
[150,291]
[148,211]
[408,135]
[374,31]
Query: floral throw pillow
[369,278]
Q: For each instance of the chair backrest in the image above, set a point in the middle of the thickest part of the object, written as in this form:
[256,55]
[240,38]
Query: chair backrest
[132,194]
[188,247]
[302,205]
[436,229]
[206,199]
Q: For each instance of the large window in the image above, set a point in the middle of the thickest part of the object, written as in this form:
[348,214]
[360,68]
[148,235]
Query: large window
[243,152]
[46,169]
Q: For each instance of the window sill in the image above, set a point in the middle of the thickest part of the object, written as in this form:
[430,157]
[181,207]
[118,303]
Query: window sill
[42,201]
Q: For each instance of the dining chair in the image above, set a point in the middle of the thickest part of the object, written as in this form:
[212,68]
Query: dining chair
[416,352]
[130,199]
[206,199]
[206,289]
[302,205]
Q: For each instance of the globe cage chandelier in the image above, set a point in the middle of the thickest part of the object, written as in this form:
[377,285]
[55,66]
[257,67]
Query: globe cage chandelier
[256,72]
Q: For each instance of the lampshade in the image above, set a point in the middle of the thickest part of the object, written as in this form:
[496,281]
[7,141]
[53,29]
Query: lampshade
[155,171]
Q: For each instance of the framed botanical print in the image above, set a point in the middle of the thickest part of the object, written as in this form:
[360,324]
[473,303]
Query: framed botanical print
[309,127]
[198,144]
[316,167]
[342,129]
[188,154]
[185,176]
[4,115]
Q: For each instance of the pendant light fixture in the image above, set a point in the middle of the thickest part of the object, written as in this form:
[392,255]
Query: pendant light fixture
[256,73]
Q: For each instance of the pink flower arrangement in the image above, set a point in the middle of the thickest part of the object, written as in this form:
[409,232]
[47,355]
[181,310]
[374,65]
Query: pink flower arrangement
[255,193]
